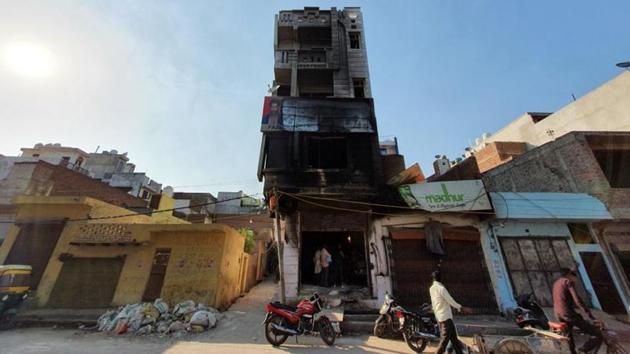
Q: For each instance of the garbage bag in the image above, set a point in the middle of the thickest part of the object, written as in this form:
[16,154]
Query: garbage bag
[203,318]
[135,322]
[184,308]
[121,327]
[162,327]
[202,307]
[150,311]
[176,326]
[161,306]
[197,329]
[148,329]
[105,320]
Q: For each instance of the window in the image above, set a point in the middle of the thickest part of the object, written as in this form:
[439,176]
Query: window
[355,40]
[359,88]
[145,194]
[612,163]
[35,155]
[327,152]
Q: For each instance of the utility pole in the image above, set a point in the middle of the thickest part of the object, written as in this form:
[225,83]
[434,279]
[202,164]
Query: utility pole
[278,232]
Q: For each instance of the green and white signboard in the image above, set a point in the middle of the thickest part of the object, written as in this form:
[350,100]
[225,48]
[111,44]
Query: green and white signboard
[446,196]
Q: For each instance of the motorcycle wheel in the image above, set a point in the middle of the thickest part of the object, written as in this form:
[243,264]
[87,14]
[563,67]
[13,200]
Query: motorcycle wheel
[326,330]
[274,337]
[415,343]
[381,325]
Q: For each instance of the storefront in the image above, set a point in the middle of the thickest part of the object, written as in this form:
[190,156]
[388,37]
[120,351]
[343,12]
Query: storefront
[535,235]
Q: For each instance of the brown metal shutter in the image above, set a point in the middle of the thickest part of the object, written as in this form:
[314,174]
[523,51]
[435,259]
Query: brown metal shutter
[33,246]
[86,283]
[463,269]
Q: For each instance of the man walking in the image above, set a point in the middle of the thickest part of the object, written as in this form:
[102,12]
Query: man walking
[565,302]
[442,302]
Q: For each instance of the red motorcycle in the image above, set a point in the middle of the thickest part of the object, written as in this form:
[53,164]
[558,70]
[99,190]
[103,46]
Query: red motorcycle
[283,321]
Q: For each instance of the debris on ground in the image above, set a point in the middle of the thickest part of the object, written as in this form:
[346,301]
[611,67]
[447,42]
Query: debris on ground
[148,318]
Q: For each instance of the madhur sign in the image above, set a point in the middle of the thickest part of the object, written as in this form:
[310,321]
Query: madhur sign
[446,196]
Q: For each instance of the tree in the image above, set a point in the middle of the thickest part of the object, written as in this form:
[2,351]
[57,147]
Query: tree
[250,244]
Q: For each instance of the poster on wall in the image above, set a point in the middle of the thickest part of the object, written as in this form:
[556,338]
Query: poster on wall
[446,196]
[282,113]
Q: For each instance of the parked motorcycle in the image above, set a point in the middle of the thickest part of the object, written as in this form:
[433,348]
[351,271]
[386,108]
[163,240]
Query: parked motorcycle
[283,321]
[530,313]
[417,328]
[387,324]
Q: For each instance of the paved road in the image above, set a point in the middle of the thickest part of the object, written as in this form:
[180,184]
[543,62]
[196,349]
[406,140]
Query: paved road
[239,332]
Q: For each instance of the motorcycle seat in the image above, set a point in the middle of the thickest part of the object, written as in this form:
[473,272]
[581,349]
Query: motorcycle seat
[284,306]
[558,326]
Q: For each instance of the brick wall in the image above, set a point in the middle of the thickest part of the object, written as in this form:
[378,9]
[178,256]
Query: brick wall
[465,170]
[57,180]
[563,165]
[498,153]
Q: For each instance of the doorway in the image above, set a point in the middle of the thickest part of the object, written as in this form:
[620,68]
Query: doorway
[158,271]
[349,263]
[602,282]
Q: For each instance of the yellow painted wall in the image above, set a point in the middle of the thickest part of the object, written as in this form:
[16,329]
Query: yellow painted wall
[193,272]
[230,278]
[204,264]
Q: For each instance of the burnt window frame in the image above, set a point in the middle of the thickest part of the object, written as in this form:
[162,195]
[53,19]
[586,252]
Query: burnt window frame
[326,166]
[355,43]
[361,83]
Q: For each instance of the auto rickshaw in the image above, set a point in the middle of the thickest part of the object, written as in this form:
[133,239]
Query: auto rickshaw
[15,283]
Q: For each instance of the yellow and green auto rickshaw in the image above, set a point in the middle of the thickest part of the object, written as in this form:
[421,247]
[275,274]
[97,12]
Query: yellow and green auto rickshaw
[15,282]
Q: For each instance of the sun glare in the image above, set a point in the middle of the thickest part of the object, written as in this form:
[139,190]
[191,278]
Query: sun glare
[29,59]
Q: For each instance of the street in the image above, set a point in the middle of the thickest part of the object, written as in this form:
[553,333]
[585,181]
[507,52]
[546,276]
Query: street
[240,330]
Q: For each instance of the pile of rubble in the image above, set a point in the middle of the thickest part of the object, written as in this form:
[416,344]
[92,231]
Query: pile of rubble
[148,318]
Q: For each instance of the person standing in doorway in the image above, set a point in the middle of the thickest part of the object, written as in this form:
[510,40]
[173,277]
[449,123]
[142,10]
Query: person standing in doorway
[318,265]
[336,269]
[565,303]
[325,259]
[442,302]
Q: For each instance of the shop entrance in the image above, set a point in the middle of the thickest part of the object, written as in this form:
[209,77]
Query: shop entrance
[347,250]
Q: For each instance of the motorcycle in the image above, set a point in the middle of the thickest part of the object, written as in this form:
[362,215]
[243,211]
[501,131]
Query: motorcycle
[417,328]
[283,321]
[387,324]
[529,313]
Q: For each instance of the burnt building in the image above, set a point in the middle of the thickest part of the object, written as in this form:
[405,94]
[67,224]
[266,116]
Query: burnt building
[320,140]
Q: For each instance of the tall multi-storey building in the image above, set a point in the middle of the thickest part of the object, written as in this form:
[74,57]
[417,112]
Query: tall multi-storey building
[320,140]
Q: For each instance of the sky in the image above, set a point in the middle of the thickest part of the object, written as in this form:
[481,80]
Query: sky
[179,85]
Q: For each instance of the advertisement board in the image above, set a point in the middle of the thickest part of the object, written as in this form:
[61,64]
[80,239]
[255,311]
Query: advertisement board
[446,196]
